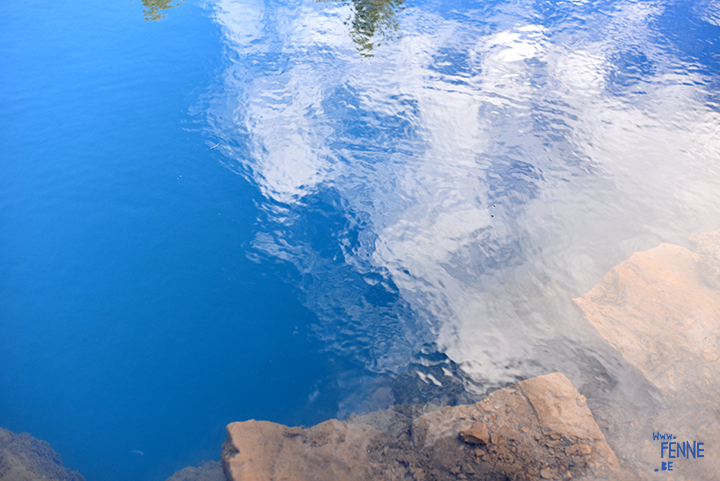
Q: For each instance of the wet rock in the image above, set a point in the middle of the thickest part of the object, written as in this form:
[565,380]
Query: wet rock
[533,429]
[709,355]
[661,310]
[548,473]
[527,431]
[265,451]
[24,458]
[207,471]
[477,434]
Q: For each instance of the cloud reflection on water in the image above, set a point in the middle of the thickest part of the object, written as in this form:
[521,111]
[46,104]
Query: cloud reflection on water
[461,188]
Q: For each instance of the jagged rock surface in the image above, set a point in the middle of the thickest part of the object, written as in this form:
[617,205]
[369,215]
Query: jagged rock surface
[537,429]
[24,458]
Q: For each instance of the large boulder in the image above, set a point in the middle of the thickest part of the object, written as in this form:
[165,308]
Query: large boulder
[265,451]
[661,310]
[538,429]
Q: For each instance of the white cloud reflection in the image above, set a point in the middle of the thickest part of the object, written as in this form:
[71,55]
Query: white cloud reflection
[500,171]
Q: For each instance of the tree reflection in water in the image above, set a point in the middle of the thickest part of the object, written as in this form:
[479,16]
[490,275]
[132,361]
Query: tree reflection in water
[372,22]
[154,8]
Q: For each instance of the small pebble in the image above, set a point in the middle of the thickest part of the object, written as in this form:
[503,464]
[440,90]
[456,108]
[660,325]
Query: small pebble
[709,355]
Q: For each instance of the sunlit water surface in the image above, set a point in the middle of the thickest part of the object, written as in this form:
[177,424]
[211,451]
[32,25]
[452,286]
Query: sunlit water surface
[296,210]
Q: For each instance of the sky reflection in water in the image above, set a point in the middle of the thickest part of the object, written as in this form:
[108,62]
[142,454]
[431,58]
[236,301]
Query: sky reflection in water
[485,166]
[435,201]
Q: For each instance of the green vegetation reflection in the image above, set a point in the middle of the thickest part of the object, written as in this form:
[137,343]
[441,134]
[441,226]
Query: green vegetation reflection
[154,8]
[372,22]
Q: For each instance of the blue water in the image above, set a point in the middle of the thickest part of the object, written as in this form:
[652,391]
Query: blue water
[256,210]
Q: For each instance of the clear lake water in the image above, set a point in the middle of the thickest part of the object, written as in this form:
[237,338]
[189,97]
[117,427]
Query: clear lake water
[293,211]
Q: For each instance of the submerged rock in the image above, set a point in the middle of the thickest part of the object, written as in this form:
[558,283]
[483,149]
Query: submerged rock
[24,458]
[661,310]
[207,471]
[537,429]
[265,451]
[540,428]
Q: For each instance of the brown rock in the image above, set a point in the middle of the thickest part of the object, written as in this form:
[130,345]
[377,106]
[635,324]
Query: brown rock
[477,434]
[710,355]
[555,401]
[531,428]
[265,451]
[660,309]
[581,449]
[544,417]
[547,473]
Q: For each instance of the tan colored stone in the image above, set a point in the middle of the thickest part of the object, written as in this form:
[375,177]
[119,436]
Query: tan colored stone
[547,473]
[554,399]
[540,409]
[476,434]
[659,309]
[578,449]
[265,451]
[529,427]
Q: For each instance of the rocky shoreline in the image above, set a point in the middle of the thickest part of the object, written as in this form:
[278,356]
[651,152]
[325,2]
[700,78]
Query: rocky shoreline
[540,428]
[659,309]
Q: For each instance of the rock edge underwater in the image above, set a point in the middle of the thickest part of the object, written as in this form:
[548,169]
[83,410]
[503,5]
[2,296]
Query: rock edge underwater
[540,428]
[659,309]
[24,458]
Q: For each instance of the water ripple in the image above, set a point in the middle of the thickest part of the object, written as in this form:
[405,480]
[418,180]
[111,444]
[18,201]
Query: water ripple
[487,165]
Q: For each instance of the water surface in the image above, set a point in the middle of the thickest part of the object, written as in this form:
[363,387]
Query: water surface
[296,210]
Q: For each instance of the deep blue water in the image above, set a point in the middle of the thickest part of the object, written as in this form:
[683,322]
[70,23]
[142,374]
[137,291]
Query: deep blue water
[243,211]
